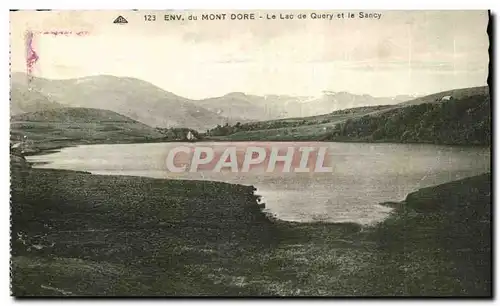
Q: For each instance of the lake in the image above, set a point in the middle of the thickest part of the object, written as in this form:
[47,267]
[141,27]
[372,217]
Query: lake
[363,175]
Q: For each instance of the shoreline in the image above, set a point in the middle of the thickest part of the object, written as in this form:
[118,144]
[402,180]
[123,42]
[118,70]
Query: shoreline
[394,205]
[261,204]
[57,148]
[215,237]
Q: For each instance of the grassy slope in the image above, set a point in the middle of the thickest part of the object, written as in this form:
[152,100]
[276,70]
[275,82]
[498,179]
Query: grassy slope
[137,236]
[131,97]
[457,94]
[304,128]
[464,121]
[326,127]
[71,126]
[24,100]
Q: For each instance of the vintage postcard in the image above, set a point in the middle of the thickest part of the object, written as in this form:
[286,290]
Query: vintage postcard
[250,153]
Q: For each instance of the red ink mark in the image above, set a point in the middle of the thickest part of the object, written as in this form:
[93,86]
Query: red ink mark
[31,56]
[65,33]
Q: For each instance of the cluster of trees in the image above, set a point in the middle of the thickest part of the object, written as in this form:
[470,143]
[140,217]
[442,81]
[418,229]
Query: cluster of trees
[178,133]
[267,125]
[464,121]
[224,130]
[255,126]
[360,109]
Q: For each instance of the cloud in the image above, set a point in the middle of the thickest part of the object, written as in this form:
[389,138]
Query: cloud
[287,57]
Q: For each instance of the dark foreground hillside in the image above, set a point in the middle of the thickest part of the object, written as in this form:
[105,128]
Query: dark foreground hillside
[75,233]
[97,235]
[437,242]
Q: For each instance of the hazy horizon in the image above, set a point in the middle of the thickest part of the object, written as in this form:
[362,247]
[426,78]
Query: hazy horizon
[403,53]
[240,92]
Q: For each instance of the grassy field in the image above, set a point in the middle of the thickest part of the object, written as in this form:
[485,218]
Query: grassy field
[126,235]
[75,233]
[61,127]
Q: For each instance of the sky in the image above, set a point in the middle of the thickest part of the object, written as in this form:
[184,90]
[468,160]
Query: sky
[403,52]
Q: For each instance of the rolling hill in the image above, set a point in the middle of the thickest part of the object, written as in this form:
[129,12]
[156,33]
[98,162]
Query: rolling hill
[466,119]
[149,104]
[457,94]
[462,121]
[333,101]
[23,99]
[71,126]
[130,97]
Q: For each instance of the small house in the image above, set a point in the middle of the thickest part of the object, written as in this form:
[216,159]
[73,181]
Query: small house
[190,136]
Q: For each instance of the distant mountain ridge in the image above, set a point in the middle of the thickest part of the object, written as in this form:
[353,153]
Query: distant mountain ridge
[130,97]
[464,118]
[332,101]
[149,104]
[248,107]
[270,107]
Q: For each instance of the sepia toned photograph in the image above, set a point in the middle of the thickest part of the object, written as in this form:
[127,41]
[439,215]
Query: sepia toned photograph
[266,153]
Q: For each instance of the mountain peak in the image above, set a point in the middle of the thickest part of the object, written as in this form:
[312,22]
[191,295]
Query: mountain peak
[236,94]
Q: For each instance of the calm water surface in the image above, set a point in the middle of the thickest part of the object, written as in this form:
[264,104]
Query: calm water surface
[363,176]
